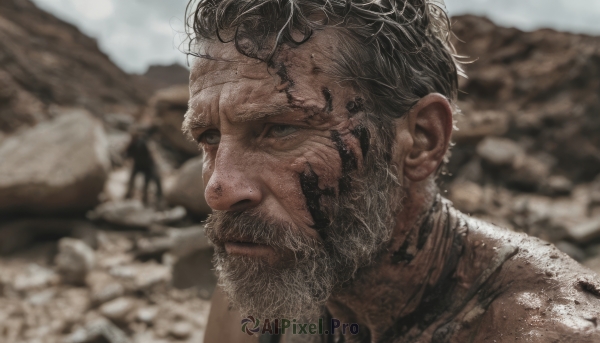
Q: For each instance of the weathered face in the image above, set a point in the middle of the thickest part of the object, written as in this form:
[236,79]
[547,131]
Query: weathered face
[294,176]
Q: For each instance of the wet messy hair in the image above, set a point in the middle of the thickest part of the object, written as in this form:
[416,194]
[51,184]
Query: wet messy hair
[394,52]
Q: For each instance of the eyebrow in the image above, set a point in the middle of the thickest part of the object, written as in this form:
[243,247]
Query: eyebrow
[261,112]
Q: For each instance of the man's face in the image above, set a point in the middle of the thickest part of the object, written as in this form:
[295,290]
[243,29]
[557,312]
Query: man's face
[301,193]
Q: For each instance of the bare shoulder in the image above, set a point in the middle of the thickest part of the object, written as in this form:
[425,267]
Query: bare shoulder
[540,293]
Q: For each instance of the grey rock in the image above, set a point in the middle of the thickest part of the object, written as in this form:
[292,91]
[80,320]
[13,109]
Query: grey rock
[178,242]
[181,330]
[186,188]
[147,314]
[21,233]
[35,277]
[467,196]
[103,287]
[74,260]
[585,231]
[499,151]
[189,240]
[118,309]
[528,171]
[132,213]
[108,292]
[476,125]
[471,171]
[152,275]
[117,144]
[96,330]
[167,109]
[42,297]
[57,166]
[557,185]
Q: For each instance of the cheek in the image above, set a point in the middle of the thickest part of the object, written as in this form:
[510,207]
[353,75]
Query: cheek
[323,161]
[282,176]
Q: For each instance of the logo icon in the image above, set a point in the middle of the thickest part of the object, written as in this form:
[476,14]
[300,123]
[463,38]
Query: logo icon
[253,322]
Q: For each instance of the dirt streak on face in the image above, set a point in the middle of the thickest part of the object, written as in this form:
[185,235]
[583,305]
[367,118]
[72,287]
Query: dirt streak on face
[286,169]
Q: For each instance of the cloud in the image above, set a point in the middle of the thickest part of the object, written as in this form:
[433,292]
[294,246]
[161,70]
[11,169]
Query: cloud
[578,16]
[94,10]
[138,33]
[133,33]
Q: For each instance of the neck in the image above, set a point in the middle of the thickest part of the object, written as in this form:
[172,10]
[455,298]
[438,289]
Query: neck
[408,284]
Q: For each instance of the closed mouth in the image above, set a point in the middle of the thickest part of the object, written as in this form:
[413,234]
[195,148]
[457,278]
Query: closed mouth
[248,248]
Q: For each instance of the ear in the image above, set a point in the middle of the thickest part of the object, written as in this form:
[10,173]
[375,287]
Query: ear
[430,127]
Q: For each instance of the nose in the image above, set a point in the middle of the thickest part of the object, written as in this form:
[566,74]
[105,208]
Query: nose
[232,186]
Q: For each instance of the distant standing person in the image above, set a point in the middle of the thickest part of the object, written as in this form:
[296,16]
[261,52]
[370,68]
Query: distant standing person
[142,163]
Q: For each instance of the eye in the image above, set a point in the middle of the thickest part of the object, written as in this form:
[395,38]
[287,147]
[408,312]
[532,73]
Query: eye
[279,131]
[211,137]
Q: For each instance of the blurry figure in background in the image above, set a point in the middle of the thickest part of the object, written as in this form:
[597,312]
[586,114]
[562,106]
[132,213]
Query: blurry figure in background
[143,162]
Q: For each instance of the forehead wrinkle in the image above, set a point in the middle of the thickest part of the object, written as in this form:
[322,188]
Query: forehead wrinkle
[212,79]
[206,75]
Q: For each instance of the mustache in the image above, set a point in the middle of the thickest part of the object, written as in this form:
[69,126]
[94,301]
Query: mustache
[256,227]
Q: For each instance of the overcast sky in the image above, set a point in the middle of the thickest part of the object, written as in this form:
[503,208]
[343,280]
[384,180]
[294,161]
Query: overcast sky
[139,33]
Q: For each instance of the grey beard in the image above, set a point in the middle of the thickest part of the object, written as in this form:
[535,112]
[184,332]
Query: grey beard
[361,225]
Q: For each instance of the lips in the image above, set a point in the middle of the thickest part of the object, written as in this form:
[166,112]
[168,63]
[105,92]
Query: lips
[249,249]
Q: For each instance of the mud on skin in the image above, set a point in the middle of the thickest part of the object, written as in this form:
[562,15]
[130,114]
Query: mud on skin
[483,287]
[495,285]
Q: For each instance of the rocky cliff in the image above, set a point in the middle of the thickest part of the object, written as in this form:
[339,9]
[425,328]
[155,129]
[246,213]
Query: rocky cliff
[45,61]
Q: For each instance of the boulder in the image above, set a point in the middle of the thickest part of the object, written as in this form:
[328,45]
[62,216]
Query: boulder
[528,172]
[147,314]
[499,151]
[557,185]
[152,275]
[118,309]
[181,330]
[466,196]
[167,109]
[99,330]
[585,231]
[35,277]
[75,260]
[133,214]
[22,233]
[103,287]
[473,126]
[186,188]
[57,166]
[138,277]
[178,242]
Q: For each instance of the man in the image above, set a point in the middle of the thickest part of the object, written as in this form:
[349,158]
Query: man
[143,163]
[323,125]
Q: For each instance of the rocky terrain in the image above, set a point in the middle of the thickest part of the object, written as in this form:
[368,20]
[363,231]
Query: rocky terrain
[78,263]
[158,77]
[527,152]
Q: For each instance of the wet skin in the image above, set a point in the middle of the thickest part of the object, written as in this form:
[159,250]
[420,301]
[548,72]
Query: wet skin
[281,140]
[272,137]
